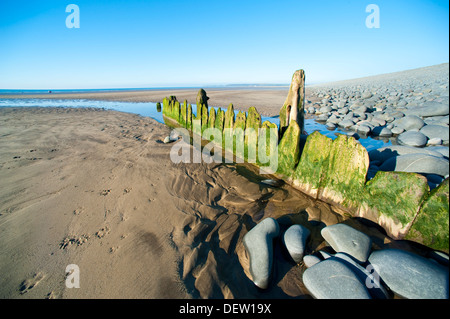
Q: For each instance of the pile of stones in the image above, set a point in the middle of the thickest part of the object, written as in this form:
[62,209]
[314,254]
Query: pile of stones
[354,271]
[408,108]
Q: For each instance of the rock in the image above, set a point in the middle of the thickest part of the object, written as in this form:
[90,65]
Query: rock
[346,123]
[295,241]
[397,130]
[434,141]
[330,126]
[325,109]
[429,109]
[363,129]
[444,150]
[367,275]
[259,244]
[366,95]
[417,163]
[343,238]
[431,226]
[332,279]
[384,153]
[410,138]
[410,275]
[410,122]
[311,260]
[167,140]
[382,132]
[436,131]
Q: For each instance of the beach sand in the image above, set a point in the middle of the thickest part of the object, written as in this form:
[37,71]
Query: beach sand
[97,189]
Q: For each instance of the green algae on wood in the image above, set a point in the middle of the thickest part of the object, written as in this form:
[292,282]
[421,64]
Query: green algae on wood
[289,150]
[313,165]
[392,200]
[268,147]
[252,126]
[348,163]
[431,226]
[220,118]
[183,114]
[238,134]
[212,118]
[189,117]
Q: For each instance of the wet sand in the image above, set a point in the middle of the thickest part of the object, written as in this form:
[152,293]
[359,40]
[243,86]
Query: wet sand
[97,189]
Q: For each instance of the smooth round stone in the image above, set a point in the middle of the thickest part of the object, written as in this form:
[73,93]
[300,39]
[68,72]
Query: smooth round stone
[417,163]
[434,141]
[429,109]
[332,279]
[410,122]
[382,132]
[295,241]
[311,260]
[397,130]
[259,244]
[410,275]
[384,153]
[343,238]
[363,129]
[167,140]
[436,131]
[444,150]
[346,123]
[410,138]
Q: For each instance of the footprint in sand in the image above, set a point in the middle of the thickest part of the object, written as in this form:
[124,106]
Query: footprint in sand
[30,283]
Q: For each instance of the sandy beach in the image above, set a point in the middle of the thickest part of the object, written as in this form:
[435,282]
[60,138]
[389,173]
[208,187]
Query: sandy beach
[97,189]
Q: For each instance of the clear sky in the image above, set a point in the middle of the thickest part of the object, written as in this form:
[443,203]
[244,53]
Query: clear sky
[132,43]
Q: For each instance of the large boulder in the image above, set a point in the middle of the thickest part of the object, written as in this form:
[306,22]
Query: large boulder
[259,245]
[410,275]
[333,279]
[410,122]
[429,109]
[384,153]
[436,131]
[411,138]
[417,163]
[343,238]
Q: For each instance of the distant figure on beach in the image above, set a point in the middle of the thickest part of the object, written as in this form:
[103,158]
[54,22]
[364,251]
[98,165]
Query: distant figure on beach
[49,91]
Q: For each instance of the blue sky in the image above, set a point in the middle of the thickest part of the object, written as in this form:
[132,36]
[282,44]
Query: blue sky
[132,43]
